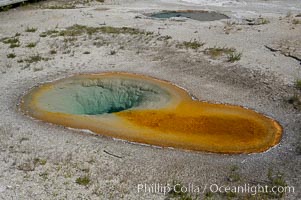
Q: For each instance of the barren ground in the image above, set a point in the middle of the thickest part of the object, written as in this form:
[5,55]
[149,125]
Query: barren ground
[44,161]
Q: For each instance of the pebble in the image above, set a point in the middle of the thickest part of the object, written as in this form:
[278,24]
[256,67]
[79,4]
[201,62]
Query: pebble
[2,189]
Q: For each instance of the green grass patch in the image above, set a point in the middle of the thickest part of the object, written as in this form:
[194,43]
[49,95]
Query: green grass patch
[230,195]
[12,41]
[215,52]
[234,56]
[296,21]
[77,30]
[263,21]
[60,7]
[5,8]
[52,52]
[191,44]
[31,45]
[178,193]
[209,195]
[164,38]
[51,33]
[31,29]
[35,58]
[44,175]
[85,180]
[233,175]
[14,45]
[122,30]
[276,180]
[39,161]
[11,55]
[70,39]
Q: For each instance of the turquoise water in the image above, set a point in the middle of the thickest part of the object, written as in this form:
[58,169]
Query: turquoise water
[195,15]
[99,96]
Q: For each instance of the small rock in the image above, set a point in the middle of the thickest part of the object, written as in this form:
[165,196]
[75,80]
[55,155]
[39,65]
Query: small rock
[2,189]
[9,187]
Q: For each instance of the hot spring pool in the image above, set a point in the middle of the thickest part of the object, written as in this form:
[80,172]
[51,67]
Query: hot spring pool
[147,110]
[191,14]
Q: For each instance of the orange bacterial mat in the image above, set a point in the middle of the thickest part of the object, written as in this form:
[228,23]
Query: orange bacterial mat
[146,110]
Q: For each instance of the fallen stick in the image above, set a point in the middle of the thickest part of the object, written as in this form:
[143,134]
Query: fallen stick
[111,154]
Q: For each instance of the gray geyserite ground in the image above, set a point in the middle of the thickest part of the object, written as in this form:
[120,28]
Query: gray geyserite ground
[44,161]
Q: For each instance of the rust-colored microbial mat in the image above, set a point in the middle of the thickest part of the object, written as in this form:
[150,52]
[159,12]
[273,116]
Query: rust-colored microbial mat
[146,110]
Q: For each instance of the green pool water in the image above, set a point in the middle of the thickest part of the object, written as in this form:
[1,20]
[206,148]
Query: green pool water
[99,96]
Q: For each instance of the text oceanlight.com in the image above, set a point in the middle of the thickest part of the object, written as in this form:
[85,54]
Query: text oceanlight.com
[214,188]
